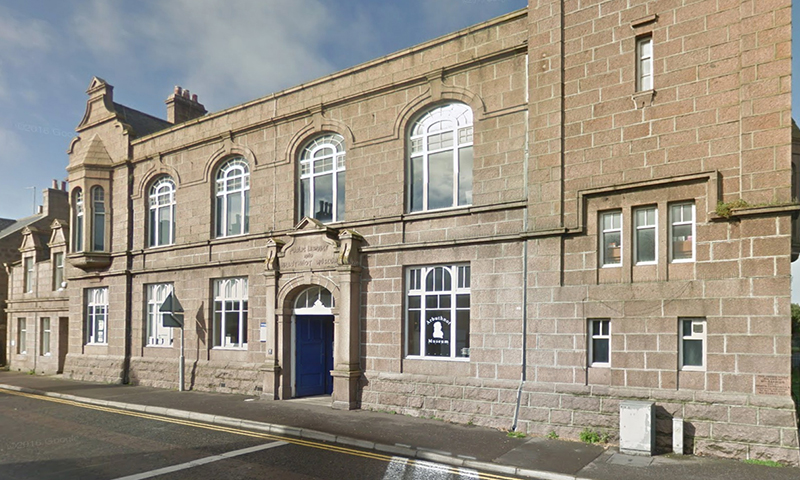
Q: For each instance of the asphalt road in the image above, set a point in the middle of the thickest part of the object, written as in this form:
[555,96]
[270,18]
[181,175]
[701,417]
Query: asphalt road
[43,438]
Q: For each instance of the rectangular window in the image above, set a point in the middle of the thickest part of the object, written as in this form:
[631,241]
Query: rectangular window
[644,63]
[157,334]
[693,343]
[44,341]
[599,343]
[28,274]
[58,271]
[230,313]
[438,311]
[645,238]
[611,239]
[22,336]
[682,232]
[96,315]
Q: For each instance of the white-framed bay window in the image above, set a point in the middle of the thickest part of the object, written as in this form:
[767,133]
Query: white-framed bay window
[645,240]
[322,175]
[438,311]
[682,232]
[97,316]
[693,343]
[599,342]
[157,334]
[230,313]
[439,170]
[611,239]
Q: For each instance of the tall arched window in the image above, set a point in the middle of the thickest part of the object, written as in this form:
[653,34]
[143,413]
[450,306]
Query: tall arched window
[98,219]
[77,220]
[321,185]
[233,198]
[162,212]
[439,171]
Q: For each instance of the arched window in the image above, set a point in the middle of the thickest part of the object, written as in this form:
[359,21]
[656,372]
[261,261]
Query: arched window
[314,300]
[233,198]
[321,184]
[98,219]
[439,171]
[162,212]
[77,220]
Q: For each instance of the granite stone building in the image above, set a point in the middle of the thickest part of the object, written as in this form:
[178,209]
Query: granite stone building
[520,225]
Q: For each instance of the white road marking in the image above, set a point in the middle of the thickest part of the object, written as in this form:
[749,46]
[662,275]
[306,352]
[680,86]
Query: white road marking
[399,469]
[201,461]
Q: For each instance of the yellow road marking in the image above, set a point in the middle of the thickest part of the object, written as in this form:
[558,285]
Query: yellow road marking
[248,433]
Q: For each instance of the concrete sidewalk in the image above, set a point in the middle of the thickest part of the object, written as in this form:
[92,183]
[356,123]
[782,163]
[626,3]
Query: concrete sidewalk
[475,447]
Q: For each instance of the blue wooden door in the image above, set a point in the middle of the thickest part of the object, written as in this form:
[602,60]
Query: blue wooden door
[314,351]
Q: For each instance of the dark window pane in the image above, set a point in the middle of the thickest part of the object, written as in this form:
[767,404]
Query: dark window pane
[465,176]
[305,197]
[415,196]
[600,350]
[323,198]
[340,196]
[413,301]
[646,245]
[693,353]
[413,332]
[440,180]
[462,333]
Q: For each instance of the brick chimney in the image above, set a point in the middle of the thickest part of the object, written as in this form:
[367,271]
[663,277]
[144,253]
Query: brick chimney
[182,106]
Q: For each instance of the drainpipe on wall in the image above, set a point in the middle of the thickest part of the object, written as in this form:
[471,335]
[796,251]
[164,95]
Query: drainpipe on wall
[523,375]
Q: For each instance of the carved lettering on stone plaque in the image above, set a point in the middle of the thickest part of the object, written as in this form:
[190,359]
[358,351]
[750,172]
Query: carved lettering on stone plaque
[769,385]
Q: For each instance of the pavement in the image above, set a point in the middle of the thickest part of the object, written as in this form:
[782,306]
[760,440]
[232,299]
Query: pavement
[475,447]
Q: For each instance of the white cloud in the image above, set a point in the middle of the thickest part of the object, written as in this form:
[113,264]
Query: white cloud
[101,27]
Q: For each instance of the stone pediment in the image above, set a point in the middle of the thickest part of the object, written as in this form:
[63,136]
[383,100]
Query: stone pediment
[312,246]
[60,231]
[94,154]
[30,239]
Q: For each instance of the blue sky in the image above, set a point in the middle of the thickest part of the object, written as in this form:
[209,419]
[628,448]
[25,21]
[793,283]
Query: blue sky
[227,52]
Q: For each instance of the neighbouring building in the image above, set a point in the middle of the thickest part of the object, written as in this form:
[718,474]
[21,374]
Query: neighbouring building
[519,224]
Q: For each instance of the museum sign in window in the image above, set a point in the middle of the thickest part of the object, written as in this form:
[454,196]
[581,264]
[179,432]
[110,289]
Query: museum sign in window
[438,311]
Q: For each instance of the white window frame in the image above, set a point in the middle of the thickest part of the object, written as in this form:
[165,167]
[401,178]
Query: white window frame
[637,227]
[233,180]
[321,157]
[58,271]
[604,232]
[156,333]
[644,63]
[230,297]
[78,214]
[603,335]
[45,334]
[97,316]
[22,336]
[98,219]
[682,221]
[429,135]
[161,206]
[693,336]
[416,286]
[28,273]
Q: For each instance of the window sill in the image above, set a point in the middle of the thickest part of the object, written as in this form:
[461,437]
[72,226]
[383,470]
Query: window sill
[423,214]
[90,260]
[233,349]
[644,264]
[600,365]
[687,260]
[644,98]
[158,346]
[438,359]
[93,344]
[693,369]
[612,265]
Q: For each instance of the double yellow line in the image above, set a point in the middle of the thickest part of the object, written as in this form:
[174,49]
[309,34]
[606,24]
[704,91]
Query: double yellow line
[247,433]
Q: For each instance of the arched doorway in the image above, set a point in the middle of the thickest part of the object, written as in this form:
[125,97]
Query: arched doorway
[313,342]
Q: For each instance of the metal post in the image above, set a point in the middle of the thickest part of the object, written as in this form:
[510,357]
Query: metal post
[180,373]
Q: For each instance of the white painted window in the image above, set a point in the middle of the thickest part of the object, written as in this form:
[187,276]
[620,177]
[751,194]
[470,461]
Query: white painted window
[161,224]
[44,341]
[645,240]
[230,313]
[97,315]
[233,198]
[439,171]
[438,311]
[58,271]
[22,336]
[322,176]
[599,342]
[682,232]
[644,63]
[28,273]
[77,220]
[157,334]
[693,343]
[98,219]
[611,239]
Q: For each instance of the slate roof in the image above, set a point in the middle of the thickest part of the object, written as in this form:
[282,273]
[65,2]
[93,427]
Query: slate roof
[18,225]
[142,123]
